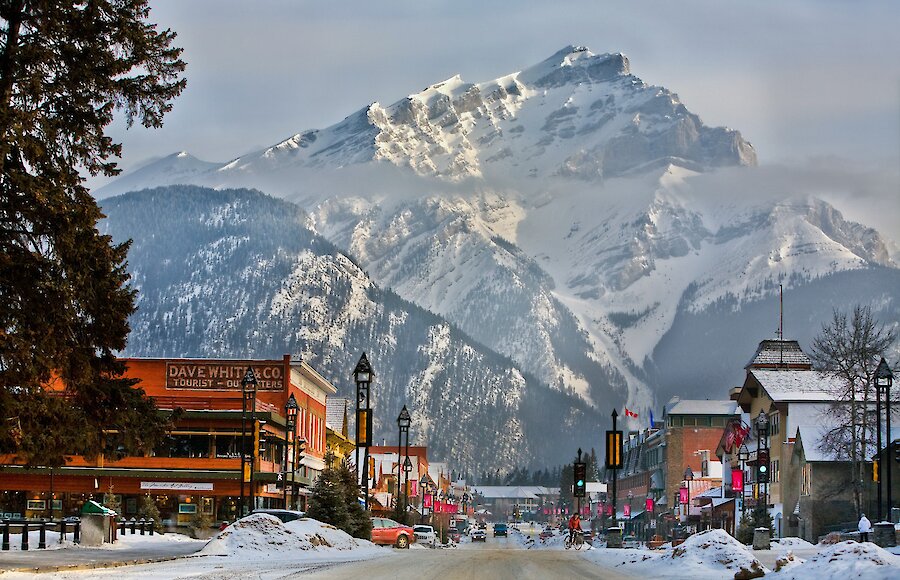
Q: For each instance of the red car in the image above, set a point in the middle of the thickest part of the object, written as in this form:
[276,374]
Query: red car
[389,533]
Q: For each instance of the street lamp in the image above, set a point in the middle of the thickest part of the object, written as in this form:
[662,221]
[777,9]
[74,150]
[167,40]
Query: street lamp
[884,378]
[248,399]
[290,414]
[743,457]
[403,421]
[688,477]
[363,376]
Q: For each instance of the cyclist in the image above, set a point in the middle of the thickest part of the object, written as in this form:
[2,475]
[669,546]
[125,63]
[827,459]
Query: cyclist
[574,526]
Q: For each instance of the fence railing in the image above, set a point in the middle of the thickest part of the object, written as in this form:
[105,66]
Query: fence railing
[22,527]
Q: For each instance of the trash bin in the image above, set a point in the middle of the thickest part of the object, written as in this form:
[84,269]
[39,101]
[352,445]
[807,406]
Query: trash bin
[98,524]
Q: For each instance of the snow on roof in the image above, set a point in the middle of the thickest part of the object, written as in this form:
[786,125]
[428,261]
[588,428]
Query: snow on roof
[798,385]
[811,436]
[773,353]
[704,407]
[512,491]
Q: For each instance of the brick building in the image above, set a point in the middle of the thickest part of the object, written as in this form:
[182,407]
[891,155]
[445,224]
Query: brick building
[197,467]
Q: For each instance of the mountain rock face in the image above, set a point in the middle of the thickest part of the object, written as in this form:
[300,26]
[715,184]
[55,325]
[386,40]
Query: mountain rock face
[558,216]
[235,273]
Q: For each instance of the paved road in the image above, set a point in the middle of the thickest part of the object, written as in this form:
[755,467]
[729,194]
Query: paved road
[494,560]
[16,559]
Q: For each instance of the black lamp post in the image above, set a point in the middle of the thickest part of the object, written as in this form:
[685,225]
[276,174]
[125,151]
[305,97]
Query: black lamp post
[688,478]
[762,457]
[363,376]
[630,517]
[248,400]
[290,414]
[884,378]
[403,421]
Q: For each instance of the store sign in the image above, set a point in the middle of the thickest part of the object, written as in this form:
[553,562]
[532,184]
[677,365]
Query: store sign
[222,376]
[176,486]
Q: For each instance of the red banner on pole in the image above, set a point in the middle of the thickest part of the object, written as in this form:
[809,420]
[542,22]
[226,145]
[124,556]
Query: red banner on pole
[413,487]
[649,506]
[609,511]
[426,500]
[626,510]
[737,480]
[683,495]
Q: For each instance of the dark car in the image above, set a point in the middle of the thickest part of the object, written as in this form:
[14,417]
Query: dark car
[500,530]
[283,515]
[588,535]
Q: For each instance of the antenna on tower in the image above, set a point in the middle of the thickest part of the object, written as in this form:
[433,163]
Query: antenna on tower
[781,323]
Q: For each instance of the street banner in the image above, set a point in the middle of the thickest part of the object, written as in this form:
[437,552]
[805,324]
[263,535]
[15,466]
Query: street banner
[609,510]
[614,449]
[649,505]
[683,495]
[737,480]
[413,488]
[426,500]
[626,510]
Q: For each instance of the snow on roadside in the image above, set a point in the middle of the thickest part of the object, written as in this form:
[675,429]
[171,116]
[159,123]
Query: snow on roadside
[263,534]
[710,554]
[793,543]
[845,560]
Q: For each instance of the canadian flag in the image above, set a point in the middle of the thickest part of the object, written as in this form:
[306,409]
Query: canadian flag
[630,413]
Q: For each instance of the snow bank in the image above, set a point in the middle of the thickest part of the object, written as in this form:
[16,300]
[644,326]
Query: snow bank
[261,534]
[845,560]
[715,550]
[794,543]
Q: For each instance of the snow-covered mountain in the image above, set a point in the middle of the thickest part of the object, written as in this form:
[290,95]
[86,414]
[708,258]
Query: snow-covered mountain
[556,215]
[235,273]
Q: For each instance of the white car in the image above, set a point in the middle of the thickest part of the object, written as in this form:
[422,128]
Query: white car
[425,534]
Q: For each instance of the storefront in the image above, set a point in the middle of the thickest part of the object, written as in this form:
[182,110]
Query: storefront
[196,470]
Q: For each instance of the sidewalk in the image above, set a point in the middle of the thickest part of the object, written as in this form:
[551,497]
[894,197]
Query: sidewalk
[131,550]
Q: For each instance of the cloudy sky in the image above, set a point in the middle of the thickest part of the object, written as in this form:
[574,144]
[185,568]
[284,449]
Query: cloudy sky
[802,80]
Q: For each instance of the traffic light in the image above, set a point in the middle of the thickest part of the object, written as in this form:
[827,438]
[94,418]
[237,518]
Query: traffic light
[580,476]
[614,449]
[762,466]
[875,470]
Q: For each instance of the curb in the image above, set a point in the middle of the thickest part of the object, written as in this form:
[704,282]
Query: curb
[96,565]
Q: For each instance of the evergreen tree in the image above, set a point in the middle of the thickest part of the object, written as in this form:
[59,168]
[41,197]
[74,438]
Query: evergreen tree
[359,522]
[335,500]
[65,69]
[149,510]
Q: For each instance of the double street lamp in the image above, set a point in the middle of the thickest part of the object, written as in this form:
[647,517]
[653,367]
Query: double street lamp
[290,435]
[248,401]
[403,422]
[363,376]
[884,378]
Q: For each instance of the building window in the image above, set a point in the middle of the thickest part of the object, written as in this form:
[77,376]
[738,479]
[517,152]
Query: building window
[775,471]
[774,422]
[805,479]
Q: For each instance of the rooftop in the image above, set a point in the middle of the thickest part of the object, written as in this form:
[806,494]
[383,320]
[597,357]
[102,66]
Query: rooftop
[773,354]
[798,385]
[704,407]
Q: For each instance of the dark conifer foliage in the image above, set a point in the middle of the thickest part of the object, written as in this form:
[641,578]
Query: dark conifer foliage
[65,69]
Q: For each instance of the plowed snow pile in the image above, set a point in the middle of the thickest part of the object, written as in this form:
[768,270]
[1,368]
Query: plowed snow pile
[847,560]
[261,534]
[715,550]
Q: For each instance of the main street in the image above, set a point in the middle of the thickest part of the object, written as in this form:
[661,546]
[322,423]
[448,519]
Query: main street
[496,559]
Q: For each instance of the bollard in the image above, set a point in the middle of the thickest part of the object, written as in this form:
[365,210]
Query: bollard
[143,523]
[76,535]
[62,531]
[42,537]
[133,526]
[5,545]
[24,535]
[123,522]
[151,525]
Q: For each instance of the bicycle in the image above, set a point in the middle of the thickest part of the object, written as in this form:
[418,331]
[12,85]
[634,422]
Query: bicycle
[576,543]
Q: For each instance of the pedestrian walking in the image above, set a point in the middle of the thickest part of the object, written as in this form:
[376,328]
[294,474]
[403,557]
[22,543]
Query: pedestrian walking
[865,526]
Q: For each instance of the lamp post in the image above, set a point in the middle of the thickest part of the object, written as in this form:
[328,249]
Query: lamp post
[363,376]
[290,414]
[884,378]
[248,399]
[403,421]
[762,459]
[629,521]
[688,478]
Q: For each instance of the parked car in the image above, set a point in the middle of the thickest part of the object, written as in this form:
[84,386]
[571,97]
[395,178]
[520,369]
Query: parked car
[546,534]
[500,530]
[455,536]
[387,532]
[479,535]
[588,535]
[283,515]
[630,542]
[425,534]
